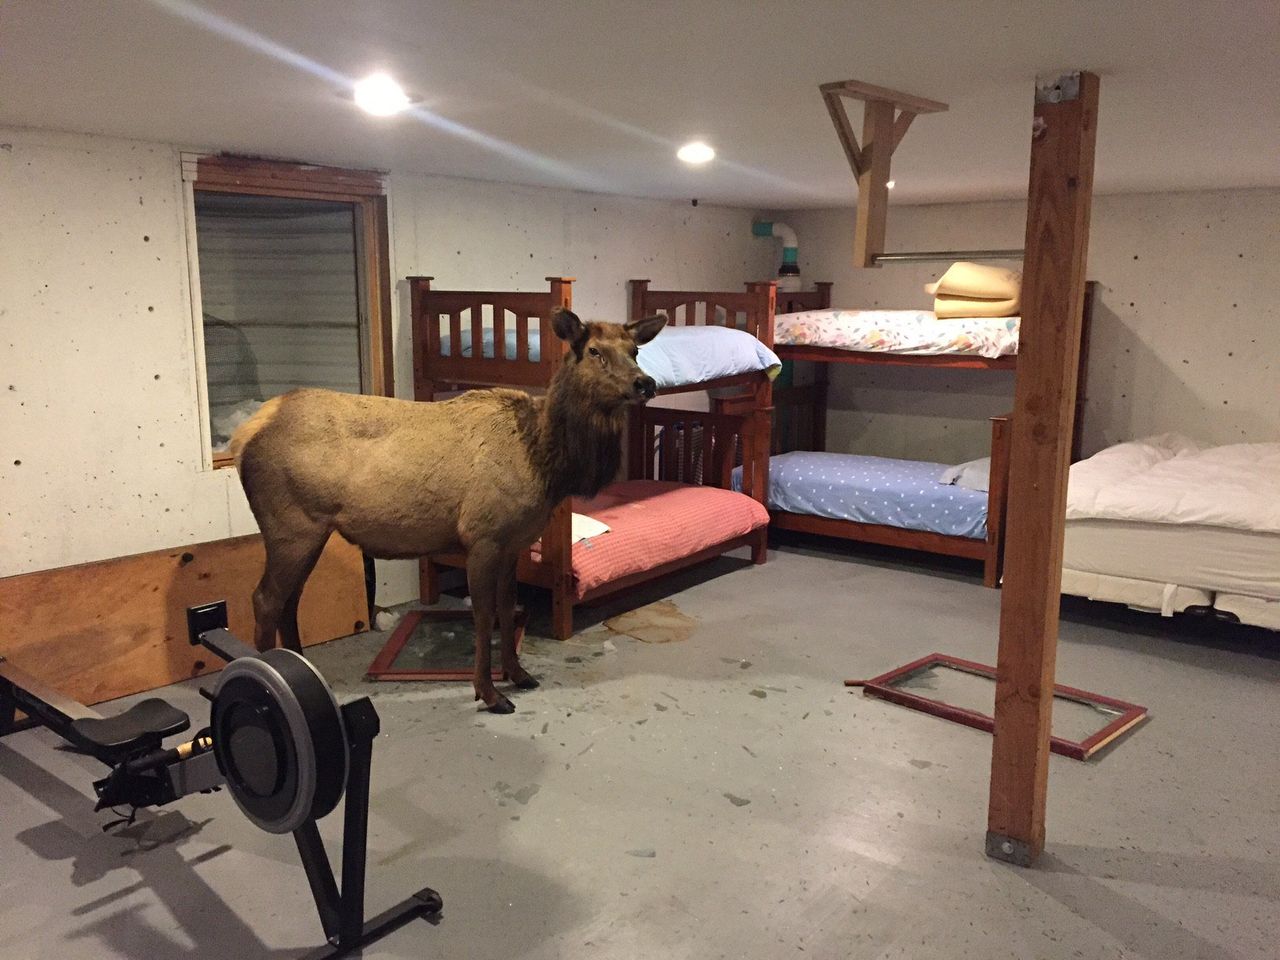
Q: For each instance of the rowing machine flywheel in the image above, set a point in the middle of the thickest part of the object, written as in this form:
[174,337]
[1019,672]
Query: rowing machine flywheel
[279,740]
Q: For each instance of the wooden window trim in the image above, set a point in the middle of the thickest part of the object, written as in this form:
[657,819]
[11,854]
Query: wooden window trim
[366,191]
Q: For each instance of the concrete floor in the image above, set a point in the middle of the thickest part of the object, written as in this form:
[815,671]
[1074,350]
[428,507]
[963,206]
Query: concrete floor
[723,796]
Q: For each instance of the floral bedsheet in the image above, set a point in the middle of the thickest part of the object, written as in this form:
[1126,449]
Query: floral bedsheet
[897,331]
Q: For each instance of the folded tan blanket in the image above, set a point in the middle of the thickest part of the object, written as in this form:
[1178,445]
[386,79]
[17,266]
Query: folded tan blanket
[952,308]
[975,290]
[977,282]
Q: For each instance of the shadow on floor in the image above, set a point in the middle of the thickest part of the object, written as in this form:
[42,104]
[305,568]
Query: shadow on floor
[1086,880]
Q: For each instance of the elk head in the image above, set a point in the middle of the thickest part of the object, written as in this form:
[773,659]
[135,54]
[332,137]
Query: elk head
[602,358]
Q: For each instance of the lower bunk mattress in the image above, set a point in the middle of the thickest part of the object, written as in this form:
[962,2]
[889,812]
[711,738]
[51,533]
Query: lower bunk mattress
[874,490]
[655,522]
[1168,567]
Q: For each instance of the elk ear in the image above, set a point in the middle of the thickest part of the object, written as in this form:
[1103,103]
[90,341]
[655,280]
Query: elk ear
[642,331]
[567,325]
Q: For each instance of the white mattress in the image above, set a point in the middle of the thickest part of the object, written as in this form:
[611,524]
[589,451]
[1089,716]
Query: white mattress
[1218,559]
[1170,480]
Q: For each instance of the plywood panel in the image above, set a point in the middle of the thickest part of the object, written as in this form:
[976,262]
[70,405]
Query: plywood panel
[107,629]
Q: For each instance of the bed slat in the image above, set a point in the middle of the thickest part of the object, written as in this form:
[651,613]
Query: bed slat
[499,332]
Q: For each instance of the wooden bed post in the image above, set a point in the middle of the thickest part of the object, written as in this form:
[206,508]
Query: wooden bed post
[1057,239]
[422,388]
[424,391]
[761,417]
[557,553]
[637,290]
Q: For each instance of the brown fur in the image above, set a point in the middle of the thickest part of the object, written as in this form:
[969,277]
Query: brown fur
[480,473]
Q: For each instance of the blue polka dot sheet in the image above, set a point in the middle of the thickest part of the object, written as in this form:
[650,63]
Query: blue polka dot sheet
[879,490]
[678,356]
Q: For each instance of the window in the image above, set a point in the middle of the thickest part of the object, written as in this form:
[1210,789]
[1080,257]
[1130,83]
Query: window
[291,286]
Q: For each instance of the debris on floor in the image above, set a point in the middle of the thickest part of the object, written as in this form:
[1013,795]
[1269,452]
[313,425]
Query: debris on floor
[660,622]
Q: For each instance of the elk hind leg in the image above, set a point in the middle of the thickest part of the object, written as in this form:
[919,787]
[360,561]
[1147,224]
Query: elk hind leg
[291,555]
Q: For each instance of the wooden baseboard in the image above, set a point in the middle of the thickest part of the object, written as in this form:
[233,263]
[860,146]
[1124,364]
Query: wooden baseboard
[102,630]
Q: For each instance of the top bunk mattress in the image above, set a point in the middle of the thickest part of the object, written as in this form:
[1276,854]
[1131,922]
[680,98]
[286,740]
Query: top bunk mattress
[912,332]
[679,356]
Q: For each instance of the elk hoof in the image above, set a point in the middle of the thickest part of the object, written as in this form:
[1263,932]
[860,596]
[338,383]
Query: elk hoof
[501,706]
[526,682]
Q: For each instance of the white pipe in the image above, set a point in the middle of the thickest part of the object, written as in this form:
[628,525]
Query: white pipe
[789,271]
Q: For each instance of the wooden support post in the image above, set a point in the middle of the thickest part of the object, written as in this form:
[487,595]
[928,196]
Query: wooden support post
[873,183]
[1057,238]
[885,120]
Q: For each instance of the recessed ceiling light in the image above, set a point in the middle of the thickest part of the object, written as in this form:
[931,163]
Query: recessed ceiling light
[695,152]
[380,95]
[890,184]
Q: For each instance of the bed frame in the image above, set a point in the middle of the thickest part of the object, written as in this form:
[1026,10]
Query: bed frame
[795,429]
[800,423]
[683,446]
[819,298]
[748,395]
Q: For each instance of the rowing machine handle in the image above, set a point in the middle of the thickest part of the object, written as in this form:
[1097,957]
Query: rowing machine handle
[207,626]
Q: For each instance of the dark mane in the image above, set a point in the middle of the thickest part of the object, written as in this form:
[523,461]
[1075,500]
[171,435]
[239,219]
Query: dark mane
[580,448]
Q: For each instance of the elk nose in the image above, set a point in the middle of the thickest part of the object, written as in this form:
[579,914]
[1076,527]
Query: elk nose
[646,387]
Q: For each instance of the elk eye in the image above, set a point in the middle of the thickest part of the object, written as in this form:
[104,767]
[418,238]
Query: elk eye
[593,351]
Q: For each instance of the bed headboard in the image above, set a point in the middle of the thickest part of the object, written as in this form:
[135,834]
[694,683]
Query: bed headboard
[447,321]
[797,301]
[687,446]
[751,311]
[798,418]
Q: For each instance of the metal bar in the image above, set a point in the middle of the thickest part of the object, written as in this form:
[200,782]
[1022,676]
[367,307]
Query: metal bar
[324,889]
[925,256]
[51,707]
[362,726]
[226,645]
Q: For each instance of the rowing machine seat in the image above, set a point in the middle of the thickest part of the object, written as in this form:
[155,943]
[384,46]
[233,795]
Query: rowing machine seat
[142,726]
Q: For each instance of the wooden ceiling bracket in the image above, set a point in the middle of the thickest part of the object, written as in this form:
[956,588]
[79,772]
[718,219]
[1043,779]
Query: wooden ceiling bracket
[885,120]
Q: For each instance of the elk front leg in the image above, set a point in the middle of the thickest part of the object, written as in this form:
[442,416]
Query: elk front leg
[511,668]
[483,564]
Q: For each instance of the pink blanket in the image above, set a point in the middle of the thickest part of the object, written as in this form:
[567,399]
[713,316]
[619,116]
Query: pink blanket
[655,522]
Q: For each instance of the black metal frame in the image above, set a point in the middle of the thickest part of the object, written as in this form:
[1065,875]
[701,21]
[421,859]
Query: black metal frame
[342,911]
[159,776]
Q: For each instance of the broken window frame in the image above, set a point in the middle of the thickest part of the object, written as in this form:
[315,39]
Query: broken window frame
[882,687]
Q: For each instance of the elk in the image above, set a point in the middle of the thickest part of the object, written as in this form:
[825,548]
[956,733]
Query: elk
[481,473]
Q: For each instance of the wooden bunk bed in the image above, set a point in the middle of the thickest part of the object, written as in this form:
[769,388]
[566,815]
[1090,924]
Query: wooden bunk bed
[667,450]
[800,423]
[794,430]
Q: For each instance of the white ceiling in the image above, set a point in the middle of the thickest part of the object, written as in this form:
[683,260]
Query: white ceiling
[596,94]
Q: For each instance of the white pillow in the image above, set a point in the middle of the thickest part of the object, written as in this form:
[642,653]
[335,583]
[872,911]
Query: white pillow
[974,475]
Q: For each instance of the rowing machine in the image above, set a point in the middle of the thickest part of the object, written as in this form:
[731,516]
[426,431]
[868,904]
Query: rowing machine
[277,740]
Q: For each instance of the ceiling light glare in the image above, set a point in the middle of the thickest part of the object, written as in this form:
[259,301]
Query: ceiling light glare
[381,96]
[696,152]
[890,184]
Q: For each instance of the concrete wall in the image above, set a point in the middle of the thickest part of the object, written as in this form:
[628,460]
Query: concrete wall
[1186,331]
[99,417]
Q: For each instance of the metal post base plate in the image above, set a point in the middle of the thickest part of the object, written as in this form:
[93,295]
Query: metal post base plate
[1017,852]
[426,903]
